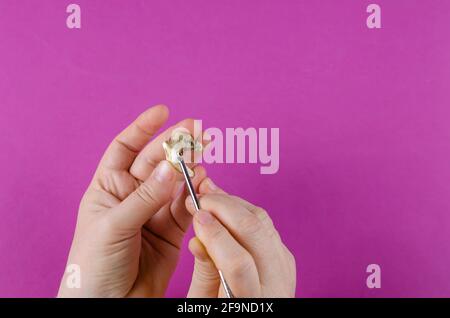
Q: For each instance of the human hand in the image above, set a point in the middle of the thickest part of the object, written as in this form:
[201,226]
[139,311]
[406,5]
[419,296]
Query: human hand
[240,239]
[132,218]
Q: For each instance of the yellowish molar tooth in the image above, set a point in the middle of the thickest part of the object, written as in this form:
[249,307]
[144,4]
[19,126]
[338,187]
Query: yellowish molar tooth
[179,143]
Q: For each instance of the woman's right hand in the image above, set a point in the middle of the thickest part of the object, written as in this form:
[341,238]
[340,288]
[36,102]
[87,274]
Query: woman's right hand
[240,239]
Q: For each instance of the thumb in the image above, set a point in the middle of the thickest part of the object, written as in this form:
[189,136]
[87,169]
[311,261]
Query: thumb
[205,279]
[147,199]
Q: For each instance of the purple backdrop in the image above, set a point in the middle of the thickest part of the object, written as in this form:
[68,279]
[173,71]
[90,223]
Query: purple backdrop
[363,114]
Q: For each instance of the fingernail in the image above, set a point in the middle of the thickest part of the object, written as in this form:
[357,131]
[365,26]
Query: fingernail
[211,185]
[204,217]
[180,188]
[163,172]
[189,202]
[181,130]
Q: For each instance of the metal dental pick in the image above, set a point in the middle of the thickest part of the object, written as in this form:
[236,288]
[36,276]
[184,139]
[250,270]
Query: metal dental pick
[197,208]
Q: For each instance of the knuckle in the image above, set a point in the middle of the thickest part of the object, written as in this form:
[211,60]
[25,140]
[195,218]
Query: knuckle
[293,262]
[216,236]
[265,219]
[147,193]
[273,234]
[212,197]
[263,216]
[291,258]
[250,225]
[234,197]
[240,267]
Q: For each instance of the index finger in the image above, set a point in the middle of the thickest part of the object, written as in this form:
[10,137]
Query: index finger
[126,146]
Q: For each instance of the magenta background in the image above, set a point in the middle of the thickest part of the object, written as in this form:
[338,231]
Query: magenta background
[364,119]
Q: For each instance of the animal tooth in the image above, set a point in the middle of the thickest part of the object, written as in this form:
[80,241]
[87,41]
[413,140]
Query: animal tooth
[179,144]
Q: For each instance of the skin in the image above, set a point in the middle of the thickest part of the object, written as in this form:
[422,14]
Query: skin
[240,239]
[132,218]
[134,215]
